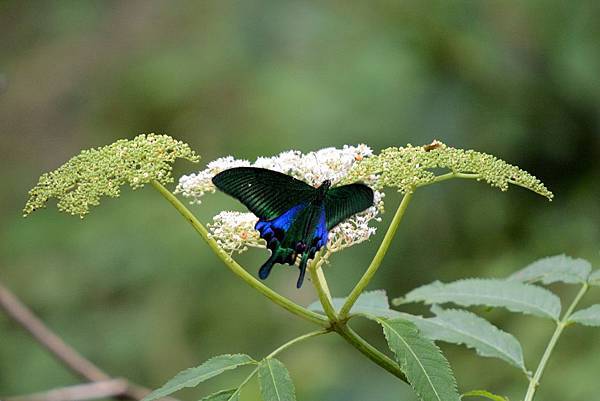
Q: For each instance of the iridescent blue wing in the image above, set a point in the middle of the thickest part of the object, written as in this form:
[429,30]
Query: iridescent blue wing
[345,201]
[266,193]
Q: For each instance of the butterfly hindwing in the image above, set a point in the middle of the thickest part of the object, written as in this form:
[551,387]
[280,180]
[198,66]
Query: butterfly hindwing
[345,201]
[294,217]
[266,193]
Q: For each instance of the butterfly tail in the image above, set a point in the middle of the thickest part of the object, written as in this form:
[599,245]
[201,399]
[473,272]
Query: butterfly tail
[265,269]
[303,264]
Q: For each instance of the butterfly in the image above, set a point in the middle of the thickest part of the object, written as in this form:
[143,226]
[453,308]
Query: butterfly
[294,218]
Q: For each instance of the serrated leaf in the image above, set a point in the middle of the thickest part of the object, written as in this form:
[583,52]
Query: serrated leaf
[373,303]
[483,394]
[424,365]
[224,395]
[275,381]
[194,376]
[588,317]
[595,278]
[466,328]
[512,295]
[559,268]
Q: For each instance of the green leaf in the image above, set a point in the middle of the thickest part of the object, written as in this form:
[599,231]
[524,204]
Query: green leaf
[275,381]
[463,327]
[424,365]
[224,395]
[512,295]
[373,303]
[588,317]
[595,278]
[194,376]
[559,268]
[483,394]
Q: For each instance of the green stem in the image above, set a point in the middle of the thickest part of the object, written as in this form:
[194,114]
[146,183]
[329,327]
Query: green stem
[342,328]
[277,351]
[369,351]
[448,176]
[348,334]
[297,340]
[377,259]
[471,176]
[318,279]
[534,382]
[234,266]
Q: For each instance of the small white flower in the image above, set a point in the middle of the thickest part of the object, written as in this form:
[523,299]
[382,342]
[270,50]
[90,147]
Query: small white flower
[194,186]
[234,231]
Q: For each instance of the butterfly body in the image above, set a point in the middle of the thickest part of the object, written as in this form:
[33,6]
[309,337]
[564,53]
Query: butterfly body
[294,218]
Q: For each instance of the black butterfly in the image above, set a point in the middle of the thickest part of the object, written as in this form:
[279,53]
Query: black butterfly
[294,218]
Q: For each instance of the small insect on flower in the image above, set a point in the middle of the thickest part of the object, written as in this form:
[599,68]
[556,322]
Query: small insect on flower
[295,218]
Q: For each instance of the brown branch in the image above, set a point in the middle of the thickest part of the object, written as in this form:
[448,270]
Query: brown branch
[67,355]
[43,335]
[80,392]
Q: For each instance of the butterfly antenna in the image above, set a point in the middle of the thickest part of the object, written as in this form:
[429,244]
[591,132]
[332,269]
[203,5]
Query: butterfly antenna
[321,173]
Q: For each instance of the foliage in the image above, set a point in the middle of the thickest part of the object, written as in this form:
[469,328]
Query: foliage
[426,368]
[514,296]
[411,338]
[194,376]
[275,381]
[553,269]
[588,317]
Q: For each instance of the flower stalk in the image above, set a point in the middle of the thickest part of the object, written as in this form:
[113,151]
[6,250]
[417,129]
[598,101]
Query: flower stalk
[234,266]
[377,259]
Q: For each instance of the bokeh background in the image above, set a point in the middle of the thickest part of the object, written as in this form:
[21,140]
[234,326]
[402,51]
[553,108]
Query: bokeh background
[135,290]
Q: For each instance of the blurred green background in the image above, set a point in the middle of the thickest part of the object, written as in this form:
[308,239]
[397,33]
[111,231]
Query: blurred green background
[135,290]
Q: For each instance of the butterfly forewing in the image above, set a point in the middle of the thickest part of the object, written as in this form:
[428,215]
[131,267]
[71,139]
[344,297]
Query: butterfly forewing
[345,201]
[266,193]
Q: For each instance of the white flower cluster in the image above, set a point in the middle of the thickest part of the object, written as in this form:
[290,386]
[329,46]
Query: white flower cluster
[234,231]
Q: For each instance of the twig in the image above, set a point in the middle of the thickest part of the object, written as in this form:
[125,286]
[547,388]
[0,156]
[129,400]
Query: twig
[66,354]
[88,391]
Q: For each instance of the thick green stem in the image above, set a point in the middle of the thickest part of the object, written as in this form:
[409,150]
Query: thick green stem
[320,283]
[234,266]
[369,351]
[377,259]
[534,382]
[342,328]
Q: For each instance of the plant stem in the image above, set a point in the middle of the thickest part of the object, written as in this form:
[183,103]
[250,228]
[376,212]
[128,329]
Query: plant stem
[297,340]
[377,259]
[318,279]
[472,176]
[347,333]
[448,176]
[560,326]
[277,351]
[341,327]
[234,266]
[369,351]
